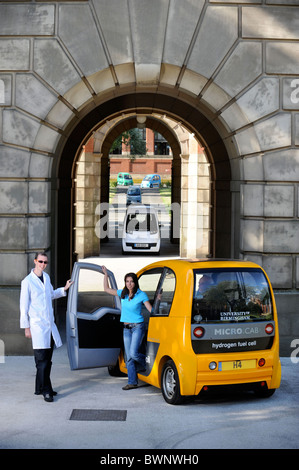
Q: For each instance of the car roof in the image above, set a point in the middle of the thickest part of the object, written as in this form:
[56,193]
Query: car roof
[185,264]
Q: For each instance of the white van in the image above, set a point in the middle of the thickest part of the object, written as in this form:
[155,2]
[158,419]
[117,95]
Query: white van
[141,231]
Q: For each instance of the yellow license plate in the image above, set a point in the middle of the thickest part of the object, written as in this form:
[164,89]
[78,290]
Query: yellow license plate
[237,365]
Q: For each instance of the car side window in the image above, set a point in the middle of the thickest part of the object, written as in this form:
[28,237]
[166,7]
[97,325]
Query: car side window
[164,295]
[148,282]
[91,294]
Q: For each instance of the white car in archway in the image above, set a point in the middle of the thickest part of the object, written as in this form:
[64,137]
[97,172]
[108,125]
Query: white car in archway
[141,230]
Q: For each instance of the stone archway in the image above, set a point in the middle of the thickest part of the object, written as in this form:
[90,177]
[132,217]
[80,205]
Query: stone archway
[192,119]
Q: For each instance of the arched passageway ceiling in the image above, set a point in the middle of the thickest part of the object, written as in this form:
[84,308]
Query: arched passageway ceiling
[150,99]
[175,134]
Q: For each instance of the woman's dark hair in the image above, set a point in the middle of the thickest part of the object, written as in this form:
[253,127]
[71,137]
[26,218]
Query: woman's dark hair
[125,290]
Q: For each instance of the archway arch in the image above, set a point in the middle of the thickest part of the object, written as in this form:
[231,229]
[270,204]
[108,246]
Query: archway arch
[179,110]
[155,123]
[92,188]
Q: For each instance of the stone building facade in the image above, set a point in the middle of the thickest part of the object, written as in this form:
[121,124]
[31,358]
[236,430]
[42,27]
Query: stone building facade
[226,72]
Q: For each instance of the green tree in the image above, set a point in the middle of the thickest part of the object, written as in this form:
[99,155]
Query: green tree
[131,137]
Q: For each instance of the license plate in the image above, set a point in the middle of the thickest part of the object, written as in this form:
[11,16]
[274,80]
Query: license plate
[237,365]
[141,245]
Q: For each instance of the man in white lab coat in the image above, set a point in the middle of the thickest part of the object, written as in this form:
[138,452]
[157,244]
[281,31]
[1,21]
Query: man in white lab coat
[37,318]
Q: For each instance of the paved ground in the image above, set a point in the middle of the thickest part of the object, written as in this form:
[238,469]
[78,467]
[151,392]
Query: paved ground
[224,422]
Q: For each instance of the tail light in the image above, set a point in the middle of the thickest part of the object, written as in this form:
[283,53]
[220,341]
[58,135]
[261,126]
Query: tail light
[198,332]
[269,328]
[262,362]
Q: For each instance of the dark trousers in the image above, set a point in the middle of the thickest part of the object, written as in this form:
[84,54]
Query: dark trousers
[43,362]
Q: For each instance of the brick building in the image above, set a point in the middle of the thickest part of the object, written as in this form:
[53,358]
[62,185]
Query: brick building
[158,158]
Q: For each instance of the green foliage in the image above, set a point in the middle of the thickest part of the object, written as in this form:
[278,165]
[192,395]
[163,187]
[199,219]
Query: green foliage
[130,138]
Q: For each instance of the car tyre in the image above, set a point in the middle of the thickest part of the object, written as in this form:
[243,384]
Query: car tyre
[170,384]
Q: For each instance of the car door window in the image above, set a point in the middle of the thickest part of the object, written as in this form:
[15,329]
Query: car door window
[148,282]
[164,294]
[105,332]
[91,294]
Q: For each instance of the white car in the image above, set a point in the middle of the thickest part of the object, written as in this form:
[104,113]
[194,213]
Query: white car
[141,231]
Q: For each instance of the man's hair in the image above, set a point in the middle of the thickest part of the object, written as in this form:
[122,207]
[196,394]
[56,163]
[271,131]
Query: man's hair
[40,253]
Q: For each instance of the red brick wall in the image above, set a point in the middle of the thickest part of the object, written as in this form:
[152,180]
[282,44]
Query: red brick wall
[141,166]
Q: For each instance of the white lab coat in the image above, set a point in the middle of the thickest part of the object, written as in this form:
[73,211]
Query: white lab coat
[37,310]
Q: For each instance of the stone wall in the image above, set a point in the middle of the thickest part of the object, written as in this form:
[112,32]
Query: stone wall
[234,61]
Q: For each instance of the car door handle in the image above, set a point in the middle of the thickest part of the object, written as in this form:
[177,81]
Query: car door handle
[72,323]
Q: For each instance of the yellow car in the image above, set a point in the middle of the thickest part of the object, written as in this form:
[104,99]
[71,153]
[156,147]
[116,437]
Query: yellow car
[213,324]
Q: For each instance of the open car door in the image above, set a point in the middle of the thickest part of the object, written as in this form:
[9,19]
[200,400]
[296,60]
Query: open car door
[93,329]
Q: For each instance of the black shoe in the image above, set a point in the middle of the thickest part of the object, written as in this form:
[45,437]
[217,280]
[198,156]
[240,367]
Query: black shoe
[48,398]
[130,387]
[53,393]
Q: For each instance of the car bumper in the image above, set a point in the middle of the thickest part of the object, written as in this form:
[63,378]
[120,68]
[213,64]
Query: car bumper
[135,201]
[141,247]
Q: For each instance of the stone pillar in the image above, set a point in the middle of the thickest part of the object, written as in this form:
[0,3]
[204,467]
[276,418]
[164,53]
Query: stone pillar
[195,205]
[88,192]
[175,200]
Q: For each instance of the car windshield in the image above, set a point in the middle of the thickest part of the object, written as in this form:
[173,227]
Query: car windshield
[141,222]
[147,178]
[134,191]
[127,177]
[231,295]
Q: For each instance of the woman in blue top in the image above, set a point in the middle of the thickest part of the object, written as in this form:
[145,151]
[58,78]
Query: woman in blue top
[132,299]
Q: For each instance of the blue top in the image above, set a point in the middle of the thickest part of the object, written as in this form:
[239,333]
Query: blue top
[131,309]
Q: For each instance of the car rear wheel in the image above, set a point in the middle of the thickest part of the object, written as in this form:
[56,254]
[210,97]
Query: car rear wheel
[170,384]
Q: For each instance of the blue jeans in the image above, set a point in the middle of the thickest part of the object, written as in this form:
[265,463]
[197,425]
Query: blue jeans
[134,359]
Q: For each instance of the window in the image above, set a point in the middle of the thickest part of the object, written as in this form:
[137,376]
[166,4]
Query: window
[231,295]
[161,145]
[134,191]
[148,282]
[159,284]
[165,293]
[91,294]
[142,222]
